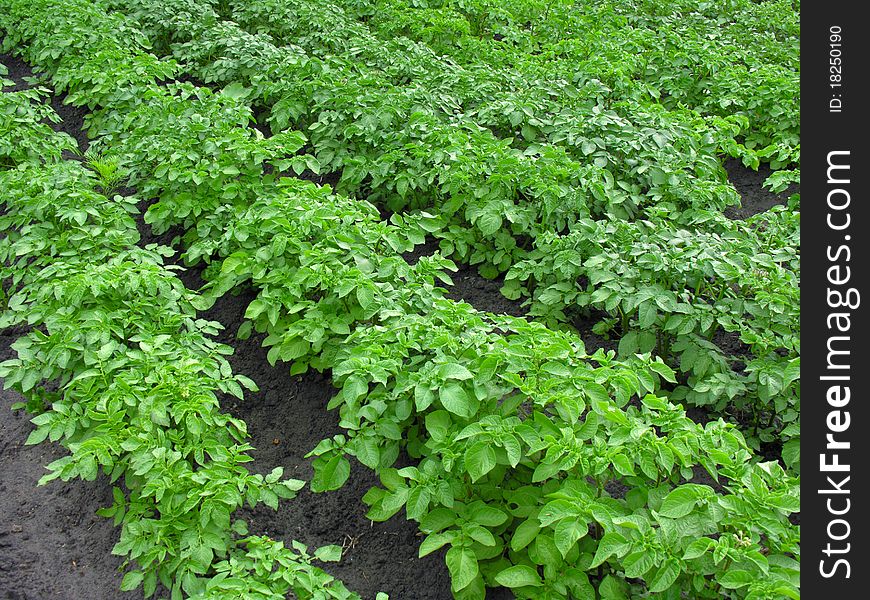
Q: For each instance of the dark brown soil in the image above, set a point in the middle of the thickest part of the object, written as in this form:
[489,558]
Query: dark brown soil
[287,418]
[592,340]
[19,72]
[468,286]
[734,348]
[754,198]
[482,294]
[73,122]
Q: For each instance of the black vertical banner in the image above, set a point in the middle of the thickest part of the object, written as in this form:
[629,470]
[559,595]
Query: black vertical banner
[835,269]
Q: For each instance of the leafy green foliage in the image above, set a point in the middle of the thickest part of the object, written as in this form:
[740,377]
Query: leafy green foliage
[116,366]
[110,174]
[133,373]
[484,217]
[738,60]
[25,131]
[676,292]
[521,440]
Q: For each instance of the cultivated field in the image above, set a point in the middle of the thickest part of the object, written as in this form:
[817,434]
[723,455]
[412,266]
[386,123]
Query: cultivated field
[408,299]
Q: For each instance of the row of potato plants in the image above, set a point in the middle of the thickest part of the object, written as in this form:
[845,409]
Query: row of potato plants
[408,154]
[644,148]
[536,396]
[118,369]
[25,126]
[163,23]
[647,150]
[642,145]
[677,293]
[651,314]
[723,59]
